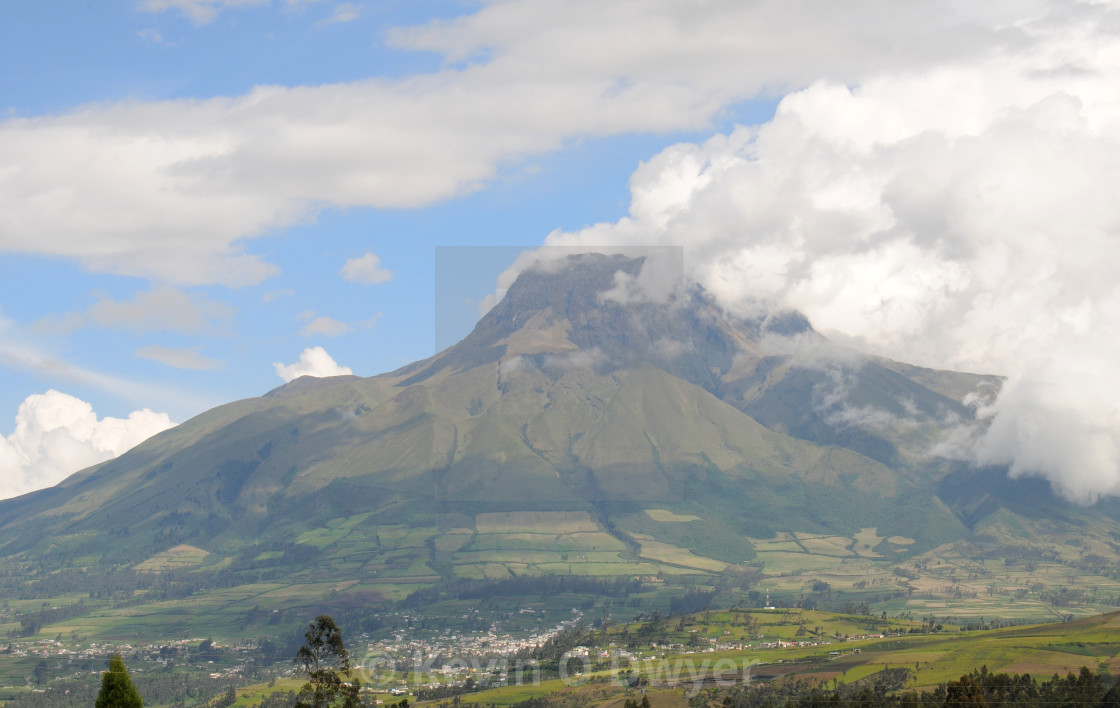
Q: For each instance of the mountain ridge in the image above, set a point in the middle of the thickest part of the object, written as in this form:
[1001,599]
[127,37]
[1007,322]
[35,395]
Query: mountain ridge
[570,395]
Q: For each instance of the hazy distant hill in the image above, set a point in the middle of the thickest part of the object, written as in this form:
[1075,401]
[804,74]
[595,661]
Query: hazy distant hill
[568,427]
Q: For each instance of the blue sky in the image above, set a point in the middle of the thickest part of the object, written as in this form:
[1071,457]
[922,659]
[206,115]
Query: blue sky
[119,52]
[183,183]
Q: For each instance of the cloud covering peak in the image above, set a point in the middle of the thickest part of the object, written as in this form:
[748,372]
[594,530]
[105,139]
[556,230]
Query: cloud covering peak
[958,217]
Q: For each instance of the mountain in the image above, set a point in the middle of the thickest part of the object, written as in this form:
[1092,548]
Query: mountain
[579,428]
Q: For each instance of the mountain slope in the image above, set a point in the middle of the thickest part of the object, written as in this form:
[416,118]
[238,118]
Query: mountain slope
[566,398]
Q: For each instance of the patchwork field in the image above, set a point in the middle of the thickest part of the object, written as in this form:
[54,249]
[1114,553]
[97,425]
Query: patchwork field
[182,556]
[813,645]
[354,567]
[673,555]
[556,522]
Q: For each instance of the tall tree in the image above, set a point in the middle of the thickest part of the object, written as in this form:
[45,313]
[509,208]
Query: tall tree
[117,690]
[327,664]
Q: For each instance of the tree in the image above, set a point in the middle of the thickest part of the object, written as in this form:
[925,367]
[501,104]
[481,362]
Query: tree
[117,690]
[1112,698]
[327,663]
[227,699]
[968,691]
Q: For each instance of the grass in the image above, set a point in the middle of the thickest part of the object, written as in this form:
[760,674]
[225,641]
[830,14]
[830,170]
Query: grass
[673,555]
[399,536]
[181,556]
[786,562]
[253,695]
[525,557]
[566,542]
[859,672]
[666,516]
[866,541]
[933,658]
[536,522]
[508,695]
[1041,650]
[363,564]
[827,545]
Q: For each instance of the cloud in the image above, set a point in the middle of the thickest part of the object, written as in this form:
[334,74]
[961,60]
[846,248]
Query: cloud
[659,280]
[160,310]
[366,270]
[726,46]
[671,349]
[151,34]
[831,400]
[487,301]
[178,358]
[936,188]
[57,434]
[961,216]
[1043,426]
[171,190]
[313,361]
[371,321]
[809,350]
[273,295]
[346,12]
[202,12]
[18,351]
[325,327]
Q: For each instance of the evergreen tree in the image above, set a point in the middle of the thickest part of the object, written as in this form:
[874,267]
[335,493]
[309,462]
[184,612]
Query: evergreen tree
[117,690]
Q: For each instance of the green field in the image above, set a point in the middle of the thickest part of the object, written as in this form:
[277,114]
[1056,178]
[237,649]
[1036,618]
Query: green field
[841,653]
[355,568]
[371,565]
[1040,650]
[818,646]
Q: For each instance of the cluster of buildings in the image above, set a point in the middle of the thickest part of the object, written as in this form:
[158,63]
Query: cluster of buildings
[433,659]
[233,659]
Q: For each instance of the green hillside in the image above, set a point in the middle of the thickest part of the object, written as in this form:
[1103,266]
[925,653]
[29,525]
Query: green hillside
[672,445]
[558,401]
[765,648]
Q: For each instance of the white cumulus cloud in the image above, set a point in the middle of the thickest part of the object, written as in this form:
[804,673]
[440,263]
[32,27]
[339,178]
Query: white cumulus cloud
[962,216]
[313,361]
[173,189]
[57,434]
